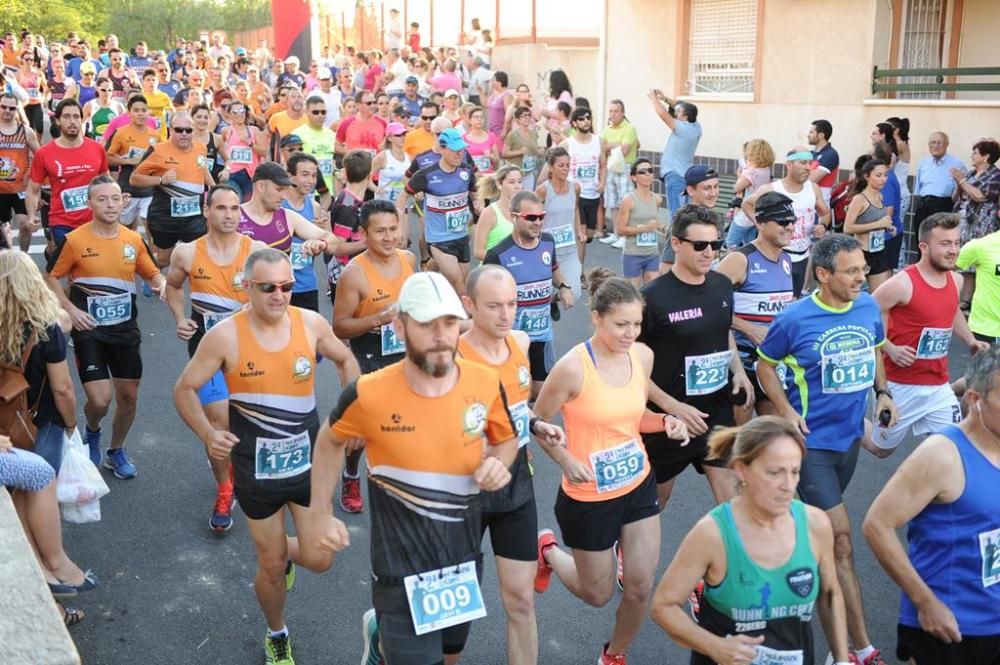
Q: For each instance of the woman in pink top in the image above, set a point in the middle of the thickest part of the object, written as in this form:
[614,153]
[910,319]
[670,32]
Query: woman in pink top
[241,149]
[559,91]
[496,106]
[373,75]
[483,146]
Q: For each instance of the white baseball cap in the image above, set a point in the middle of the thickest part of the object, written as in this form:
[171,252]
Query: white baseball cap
[426,296]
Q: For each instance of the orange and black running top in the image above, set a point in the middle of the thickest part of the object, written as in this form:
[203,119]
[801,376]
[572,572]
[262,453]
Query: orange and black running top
[272,406]
[385,347]
[177,207]
[515,376]
[602,430]
[422,454]
[103,273]
[216,291]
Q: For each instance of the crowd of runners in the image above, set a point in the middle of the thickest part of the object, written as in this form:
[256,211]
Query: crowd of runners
[767,355]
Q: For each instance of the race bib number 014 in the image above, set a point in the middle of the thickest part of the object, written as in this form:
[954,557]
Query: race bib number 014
[849,371]
[442,598]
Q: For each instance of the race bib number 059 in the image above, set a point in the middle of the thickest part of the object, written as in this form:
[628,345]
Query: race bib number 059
[617,467]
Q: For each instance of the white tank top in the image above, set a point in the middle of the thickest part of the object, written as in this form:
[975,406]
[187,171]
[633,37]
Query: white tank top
[804,204]
[584,165]
[390,177]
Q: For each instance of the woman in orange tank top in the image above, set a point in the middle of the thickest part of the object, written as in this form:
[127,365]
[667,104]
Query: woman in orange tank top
[608,495]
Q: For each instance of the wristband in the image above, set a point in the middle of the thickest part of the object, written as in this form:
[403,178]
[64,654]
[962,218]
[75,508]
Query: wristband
[531,423]
[882,391]
[325,244]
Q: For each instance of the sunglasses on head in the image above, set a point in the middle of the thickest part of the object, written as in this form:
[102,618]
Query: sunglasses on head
[183,130]
[531,217]
[271,287]
[702,245]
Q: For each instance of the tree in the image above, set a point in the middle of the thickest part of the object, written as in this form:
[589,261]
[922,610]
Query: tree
[55,18]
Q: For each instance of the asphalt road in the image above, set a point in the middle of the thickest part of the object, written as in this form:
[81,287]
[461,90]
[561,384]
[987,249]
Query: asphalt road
[174,592]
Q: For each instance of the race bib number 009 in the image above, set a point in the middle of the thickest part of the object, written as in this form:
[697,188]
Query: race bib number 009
[442,598]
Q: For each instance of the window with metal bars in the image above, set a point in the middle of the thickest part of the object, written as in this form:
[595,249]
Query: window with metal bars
[723,50]
[923,42]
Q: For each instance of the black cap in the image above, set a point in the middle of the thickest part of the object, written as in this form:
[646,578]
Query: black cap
[290,140]
[774,207]
[274,172]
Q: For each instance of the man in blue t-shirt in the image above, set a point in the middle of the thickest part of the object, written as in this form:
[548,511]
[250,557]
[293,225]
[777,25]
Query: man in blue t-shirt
[678,154]
[830,342]
[530,256]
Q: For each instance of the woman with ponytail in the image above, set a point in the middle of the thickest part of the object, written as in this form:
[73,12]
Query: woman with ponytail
[494,225]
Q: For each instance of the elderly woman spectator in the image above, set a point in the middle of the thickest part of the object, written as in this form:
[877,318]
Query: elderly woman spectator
[976,200]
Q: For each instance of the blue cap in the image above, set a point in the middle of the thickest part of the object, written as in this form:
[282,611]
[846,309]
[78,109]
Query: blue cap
[451,139]
[240,50]
[699,173]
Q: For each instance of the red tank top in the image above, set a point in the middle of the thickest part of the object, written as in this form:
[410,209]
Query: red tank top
[925,324]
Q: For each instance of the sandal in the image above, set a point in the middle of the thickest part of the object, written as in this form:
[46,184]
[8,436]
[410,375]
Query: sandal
[71,615]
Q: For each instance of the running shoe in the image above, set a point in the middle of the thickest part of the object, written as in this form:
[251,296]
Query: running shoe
[372,655]
[93,441]
[609,239]
[694,600]
[543,573]
[222,514]
[620,577]
[611,658]
[278,650]
[147,290]
[289,575]
[874,658]
[119,463]
[618,244]
[350,494]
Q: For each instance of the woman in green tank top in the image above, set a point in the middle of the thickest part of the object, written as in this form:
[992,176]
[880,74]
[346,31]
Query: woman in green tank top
[764,561]
[493,225]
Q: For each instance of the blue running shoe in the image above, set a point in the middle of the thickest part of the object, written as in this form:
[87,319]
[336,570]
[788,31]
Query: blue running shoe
[93,441]
[119,463]
[369,625]
[146,290]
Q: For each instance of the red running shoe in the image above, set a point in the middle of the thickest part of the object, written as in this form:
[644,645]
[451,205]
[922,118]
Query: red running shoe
[874,658]
[222,514]
[350,495]
[546,539]
[611,658]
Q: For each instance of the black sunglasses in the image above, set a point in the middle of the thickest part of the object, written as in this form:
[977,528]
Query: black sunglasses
[271,287]
[702,245]
[427,117]
[643,171]
[318,112]
[531,217]
[183,130]
[8,108]
[781,222]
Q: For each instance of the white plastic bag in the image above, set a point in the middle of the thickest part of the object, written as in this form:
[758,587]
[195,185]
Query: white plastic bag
[616,161]
[81,513]
[79,481]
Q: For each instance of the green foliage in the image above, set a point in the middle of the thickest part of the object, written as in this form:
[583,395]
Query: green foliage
[157,22]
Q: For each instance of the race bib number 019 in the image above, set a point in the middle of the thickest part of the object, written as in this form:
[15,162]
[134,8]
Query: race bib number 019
[110,310]
[704,375]
[74,199]
[241,155]
[282,458]
[442,598]
[933,343]
[185,206]
[617,467]
[849,371]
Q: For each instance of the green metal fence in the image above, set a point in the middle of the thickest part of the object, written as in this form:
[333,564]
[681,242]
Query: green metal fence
[880,81]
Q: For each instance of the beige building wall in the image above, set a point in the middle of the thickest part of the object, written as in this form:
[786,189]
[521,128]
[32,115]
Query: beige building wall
[816,60]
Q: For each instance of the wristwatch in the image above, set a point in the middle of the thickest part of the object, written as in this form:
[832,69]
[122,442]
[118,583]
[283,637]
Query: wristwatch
[564,285]
[883,391]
